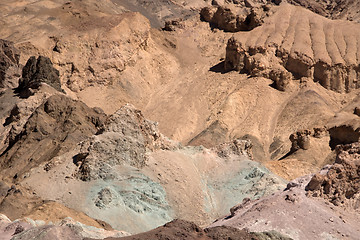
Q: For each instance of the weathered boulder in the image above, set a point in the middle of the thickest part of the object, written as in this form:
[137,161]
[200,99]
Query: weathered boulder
[300,140]
[207,13]
[38,71]
[235,55]
[281,78]
[225,19]
[256,17]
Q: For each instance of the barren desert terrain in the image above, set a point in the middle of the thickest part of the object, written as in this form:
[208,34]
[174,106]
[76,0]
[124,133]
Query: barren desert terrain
[179,119]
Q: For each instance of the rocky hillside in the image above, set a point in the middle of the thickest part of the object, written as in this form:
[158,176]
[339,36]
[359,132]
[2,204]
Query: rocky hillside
[127,115]
[128,168]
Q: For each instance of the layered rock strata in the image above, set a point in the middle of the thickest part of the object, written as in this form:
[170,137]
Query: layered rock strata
[297,41]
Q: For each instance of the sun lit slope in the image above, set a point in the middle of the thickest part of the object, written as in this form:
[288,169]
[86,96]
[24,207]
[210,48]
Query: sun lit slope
[107,57]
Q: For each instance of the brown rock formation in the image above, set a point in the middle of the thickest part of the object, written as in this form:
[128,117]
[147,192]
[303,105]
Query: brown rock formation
[300,140]
[345,133]
[341,183]
[37,71]
[237,147]
[260,64]
[231,20]
[306,45]
[9,64]
[171,25]
[54,128]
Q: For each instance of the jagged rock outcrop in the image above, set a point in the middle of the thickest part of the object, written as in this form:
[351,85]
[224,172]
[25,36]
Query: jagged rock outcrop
[54,128]
[340,183]
[230,19]
[36,72]
[125,137]
[237,147]
[9,64]
[305,45]
[257,62]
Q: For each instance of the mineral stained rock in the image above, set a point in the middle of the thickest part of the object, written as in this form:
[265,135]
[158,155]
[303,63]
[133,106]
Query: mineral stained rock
[128,168]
